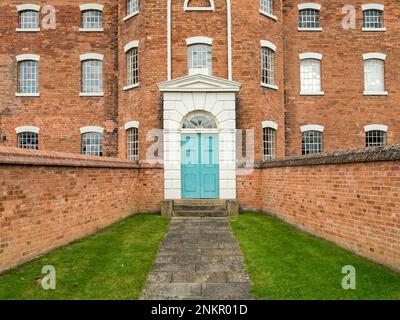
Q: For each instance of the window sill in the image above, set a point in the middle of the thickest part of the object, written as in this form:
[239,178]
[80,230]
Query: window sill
[310,29]
[269,86]
[132,86]
[376,93]
[91,30]
[271,16]
[91,94]
[302,93]
[17,94]
[373,29]
[130,15]
[27,30]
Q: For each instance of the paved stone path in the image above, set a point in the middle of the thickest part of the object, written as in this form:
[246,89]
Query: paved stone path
[199,259]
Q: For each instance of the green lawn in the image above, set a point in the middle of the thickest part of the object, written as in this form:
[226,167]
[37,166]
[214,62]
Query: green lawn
[112,264]
[285,263]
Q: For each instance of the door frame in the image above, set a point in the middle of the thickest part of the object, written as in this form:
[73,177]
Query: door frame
[200,133]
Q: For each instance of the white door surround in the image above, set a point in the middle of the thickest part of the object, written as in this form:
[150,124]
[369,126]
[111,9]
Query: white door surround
[206,93]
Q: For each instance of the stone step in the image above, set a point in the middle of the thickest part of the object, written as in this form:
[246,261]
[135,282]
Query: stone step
[199,207]
[199,213]
[211,202]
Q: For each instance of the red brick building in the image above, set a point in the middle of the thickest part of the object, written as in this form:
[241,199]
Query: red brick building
[97,77]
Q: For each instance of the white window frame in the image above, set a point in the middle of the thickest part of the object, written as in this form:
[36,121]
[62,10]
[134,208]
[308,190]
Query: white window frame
[28,57]
[315,128]
[131,45]
[267,14]
[28,7]
[373,6]
[312,56]
[199,41]
[186,7]
[270,125]
[310,6]
[132,14]
[92,56]
[376,127]
[92,7]
[93,129]
[375,56]
[269,45]
[132,125]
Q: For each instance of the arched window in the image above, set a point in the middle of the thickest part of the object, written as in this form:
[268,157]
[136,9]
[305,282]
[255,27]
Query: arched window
[199,120]
[92,74]
[373,17]
[92,141]
[309,16]
[132,64]
[28,75]
[374,74]
[28,17]
[312,139]
[200,59]
[375,135]
[268,64]
[92,17]
[132,140]
[28,137]
[269,139]
[310,74]
[205,5]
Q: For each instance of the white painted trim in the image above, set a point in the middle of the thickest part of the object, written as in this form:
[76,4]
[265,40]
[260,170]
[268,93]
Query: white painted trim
[269,124]
[309,5]
[267,14]
[91,6]
[376,127]
[19,94]
[374,55]
[305,93]
[24,7]
[25,57]
[199,40]
[376,93]
[210,8]
[91,56]
[312,127]
[130,15]
[91,94]
[132,86]
[319,29]
[27,30]
[131,124]
[268,44]
[373,29]
[229,36]
[310,55]
[22,129]
[269,86]
[92,129]
[91,30]
[130,45]
[373,6]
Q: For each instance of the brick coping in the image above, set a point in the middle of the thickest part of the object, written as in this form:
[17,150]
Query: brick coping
[16,156]
[386,153]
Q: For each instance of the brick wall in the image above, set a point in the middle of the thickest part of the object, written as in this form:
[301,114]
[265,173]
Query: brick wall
[48,199]
[350,198]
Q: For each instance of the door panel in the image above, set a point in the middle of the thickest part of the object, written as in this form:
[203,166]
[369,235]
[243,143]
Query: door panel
[200,166]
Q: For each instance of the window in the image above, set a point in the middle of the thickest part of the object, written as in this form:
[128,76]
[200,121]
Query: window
[309,16]
[199,120]
[310,74]
[28,75]
[29,19]
[312,139]
[374,74]
[28,140]
[373,17]
[187,6]
[132,64]
[92,75]
[267,6]
[92,144]
[375,135]
[269,139]
[133,143]
[92,19]
[132,7]
[267,66]
[199,55]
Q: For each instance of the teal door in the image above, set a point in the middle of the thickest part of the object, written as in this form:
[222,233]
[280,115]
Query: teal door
[200,166]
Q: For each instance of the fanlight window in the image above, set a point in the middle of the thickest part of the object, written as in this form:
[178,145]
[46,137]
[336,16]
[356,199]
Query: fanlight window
[199,121]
